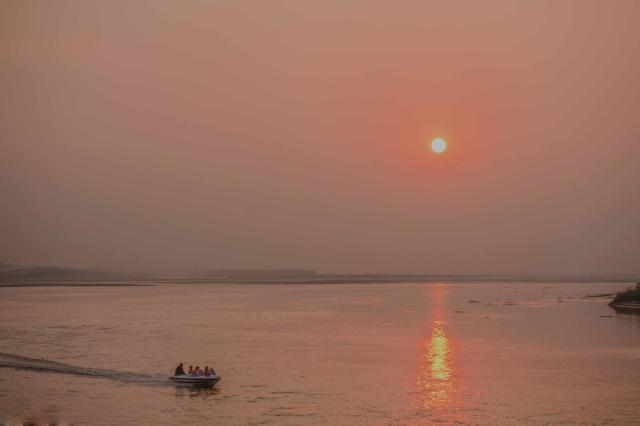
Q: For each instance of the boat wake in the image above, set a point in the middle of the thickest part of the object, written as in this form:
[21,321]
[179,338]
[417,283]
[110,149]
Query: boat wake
[46,366]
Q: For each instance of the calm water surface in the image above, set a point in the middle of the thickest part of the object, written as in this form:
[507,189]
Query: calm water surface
[320,354]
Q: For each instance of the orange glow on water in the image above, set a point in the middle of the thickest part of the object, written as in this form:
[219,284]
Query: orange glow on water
[437,380]
[438,352]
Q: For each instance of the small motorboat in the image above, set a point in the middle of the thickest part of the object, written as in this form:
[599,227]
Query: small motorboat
[195,381]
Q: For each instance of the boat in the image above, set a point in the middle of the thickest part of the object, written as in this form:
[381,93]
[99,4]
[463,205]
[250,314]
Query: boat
[195,381]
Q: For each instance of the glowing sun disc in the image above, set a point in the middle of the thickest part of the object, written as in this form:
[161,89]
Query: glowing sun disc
[438,145]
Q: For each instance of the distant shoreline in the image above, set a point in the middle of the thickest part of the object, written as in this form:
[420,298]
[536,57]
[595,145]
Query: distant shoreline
[69,284]
[324,279]
[391,279]
[378,281]
[12,275]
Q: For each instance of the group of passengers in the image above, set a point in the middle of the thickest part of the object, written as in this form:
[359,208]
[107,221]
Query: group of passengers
[195,372]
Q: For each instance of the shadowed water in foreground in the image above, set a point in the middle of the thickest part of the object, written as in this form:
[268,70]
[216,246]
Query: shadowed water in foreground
[335,354]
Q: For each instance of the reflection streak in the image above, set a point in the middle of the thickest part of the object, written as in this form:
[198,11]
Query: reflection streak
[437,376]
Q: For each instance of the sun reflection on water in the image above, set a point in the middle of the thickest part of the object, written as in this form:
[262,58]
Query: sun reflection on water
[439,352]
[437,377]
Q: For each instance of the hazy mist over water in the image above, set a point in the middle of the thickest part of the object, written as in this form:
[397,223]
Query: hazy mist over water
[357,212]
[177,136]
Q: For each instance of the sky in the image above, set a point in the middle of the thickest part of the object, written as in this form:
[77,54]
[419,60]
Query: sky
[174,136]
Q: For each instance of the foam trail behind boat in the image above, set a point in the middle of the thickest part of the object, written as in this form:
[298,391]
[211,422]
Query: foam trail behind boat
[43,365]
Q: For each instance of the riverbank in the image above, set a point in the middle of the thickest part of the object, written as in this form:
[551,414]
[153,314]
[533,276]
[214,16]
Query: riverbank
[628,299]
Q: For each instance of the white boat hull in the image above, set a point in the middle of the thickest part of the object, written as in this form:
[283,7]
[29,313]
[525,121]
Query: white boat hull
[199,381]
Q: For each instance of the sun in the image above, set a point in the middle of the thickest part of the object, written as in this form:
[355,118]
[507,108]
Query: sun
[438,145]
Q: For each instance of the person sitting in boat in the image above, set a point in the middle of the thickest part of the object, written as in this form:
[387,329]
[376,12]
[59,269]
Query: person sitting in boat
[190,372]
[212,372]
[198,371]
[206,371]
[179,371]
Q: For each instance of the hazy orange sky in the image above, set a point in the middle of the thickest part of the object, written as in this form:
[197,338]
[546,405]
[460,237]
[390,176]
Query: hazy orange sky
[175,136]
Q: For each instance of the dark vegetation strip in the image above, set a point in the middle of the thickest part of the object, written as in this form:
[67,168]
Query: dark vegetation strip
[630,294]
